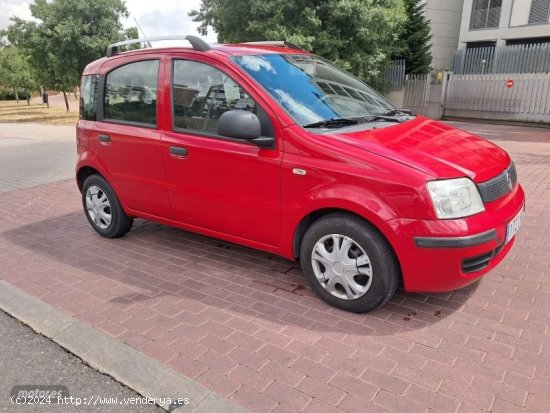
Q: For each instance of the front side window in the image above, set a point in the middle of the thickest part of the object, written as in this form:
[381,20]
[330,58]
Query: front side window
[201,94]
[311,89]
[88,97]
[131,93]
[486,14]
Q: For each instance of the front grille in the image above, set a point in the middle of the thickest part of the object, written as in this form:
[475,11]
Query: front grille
[498,186]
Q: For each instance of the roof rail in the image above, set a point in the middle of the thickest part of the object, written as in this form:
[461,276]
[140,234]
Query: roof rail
[282,43]
[197,43]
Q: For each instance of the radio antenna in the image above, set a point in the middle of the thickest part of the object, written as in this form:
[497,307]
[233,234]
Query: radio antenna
[144,35]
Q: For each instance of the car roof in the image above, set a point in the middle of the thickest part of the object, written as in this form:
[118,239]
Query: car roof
[240,49]
[232,49]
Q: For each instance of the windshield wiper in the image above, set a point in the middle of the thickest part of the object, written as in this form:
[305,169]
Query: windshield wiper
[334,123]
[394,112]
[340,122]
[375,118]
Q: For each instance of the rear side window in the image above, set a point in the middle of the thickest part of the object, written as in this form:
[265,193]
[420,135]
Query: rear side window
[131,93]
[201,94]
[88,97]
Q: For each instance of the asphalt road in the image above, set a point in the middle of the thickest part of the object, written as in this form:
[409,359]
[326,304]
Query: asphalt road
[34,154]
[27,358]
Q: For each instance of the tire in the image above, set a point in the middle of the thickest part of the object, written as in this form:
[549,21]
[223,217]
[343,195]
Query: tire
[102,208]
[360,274]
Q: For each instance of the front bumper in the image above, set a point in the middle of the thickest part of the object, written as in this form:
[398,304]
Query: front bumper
[445,255]
[456,242]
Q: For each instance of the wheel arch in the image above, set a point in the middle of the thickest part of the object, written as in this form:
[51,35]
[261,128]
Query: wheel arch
[317,214]
[84,172]
[306,222]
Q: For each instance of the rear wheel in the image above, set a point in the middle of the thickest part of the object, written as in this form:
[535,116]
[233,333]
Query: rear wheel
[349,263]
[103,209]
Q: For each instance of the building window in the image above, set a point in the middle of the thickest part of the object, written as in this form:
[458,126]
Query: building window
[486,14]
[539,11]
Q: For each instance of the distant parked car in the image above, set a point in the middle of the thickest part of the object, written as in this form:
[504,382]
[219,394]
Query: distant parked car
[269,146]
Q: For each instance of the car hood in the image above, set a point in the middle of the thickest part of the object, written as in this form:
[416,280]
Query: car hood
[435,148]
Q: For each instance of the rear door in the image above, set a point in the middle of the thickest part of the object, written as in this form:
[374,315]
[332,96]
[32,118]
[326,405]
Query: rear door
[227,186]
[126,135]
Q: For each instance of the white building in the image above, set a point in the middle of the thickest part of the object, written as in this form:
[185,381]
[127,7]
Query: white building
[482,23]
[504,22]
[445,17]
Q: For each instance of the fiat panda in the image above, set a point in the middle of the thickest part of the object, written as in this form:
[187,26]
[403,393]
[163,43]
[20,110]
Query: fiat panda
[271,147]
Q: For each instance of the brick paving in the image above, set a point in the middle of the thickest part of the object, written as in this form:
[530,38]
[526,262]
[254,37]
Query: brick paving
[245,324]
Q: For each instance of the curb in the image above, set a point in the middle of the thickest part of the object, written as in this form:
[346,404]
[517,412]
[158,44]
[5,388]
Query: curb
[132,368]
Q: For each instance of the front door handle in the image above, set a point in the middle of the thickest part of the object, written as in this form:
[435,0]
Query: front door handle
[178,151]
[104,138]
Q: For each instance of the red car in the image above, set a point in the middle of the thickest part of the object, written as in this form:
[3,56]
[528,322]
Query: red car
[266,145]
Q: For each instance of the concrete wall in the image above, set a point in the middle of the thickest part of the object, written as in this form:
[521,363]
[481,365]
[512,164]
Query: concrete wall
[445,17]
[396,97]
[434,107]
[514,17]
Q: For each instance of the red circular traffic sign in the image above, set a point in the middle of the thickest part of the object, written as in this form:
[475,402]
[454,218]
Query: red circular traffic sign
[510,84]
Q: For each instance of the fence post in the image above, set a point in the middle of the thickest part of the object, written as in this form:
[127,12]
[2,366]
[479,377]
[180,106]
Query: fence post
[446,80]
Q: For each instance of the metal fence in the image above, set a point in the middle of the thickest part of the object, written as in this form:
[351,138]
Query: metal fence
[519,58]
[519,97]
[393,77]
[417,89]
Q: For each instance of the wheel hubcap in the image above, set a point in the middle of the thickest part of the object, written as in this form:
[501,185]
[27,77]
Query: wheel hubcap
[98,207]
[341,266]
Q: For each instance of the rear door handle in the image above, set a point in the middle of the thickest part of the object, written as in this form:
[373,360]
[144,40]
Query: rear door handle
[178,151]
[104,138]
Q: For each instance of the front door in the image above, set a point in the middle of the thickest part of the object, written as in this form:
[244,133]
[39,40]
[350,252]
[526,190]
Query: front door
[227,186]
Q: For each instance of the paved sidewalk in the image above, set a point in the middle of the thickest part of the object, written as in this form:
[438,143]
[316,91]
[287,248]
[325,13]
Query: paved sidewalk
[245,324]
[34,154]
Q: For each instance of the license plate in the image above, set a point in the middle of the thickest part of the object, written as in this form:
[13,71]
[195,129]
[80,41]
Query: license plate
[513,225]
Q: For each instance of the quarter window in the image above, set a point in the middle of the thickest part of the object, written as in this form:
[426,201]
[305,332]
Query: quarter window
[88,97]
[131,93]
[202,93]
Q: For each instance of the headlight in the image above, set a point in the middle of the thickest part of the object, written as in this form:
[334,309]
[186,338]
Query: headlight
[455,198]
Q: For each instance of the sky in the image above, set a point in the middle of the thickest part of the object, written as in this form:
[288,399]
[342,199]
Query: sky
[156,17]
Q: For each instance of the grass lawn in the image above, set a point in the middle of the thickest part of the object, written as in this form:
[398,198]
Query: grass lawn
[11,111]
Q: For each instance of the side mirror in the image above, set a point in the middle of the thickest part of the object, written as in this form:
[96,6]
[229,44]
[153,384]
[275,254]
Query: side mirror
[239,124]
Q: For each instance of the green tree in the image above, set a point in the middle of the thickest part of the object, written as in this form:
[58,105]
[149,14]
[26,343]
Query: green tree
[15,72]
[356,34]
[414,43]
[67,35]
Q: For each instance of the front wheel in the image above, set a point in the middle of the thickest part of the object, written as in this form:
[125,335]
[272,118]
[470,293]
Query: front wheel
[349,263]
[103,209]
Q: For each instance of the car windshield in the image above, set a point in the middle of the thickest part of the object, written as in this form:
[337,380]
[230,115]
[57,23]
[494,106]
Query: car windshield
[311,89]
